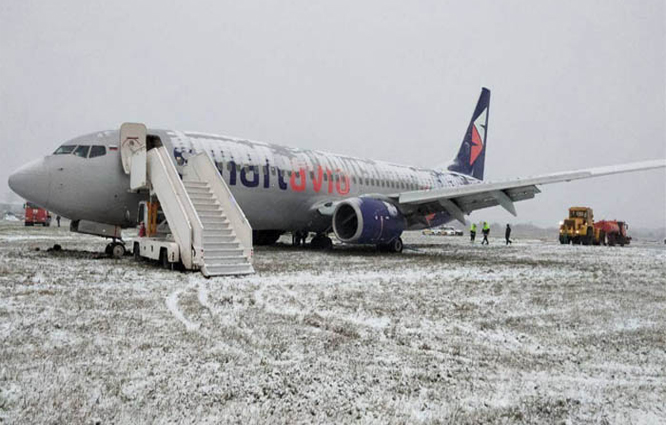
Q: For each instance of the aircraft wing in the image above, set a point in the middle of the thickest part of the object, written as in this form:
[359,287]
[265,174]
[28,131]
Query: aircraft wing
[461,200]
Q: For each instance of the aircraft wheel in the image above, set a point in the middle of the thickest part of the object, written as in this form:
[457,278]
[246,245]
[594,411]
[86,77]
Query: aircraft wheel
[108,249]
[321,242]
[396,245]
[117,250]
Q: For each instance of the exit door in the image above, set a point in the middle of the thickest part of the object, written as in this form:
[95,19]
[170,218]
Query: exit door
[133,153]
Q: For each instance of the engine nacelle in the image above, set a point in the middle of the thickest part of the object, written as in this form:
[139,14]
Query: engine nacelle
[367,221]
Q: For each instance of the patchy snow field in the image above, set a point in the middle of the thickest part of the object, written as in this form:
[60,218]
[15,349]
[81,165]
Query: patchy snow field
[448,332]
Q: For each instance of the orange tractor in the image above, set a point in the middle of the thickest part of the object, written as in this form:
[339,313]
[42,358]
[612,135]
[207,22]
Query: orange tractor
[580,228]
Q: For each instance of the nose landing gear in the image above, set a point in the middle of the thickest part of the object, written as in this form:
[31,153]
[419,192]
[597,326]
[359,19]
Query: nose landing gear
[116,249]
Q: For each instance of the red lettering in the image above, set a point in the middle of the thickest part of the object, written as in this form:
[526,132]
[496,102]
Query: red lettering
[303,178]
[318,179]
[330,181]
[343,178]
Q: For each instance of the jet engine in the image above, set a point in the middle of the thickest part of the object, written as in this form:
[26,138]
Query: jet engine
[368,221]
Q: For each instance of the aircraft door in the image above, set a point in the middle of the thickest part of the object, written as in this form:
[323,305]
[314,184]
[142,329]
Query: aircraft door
[133,153]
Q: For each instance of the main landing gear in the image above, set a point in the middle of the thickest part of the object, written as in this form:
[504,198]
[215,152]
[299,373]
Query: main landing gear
[321,241]
[395,245]
[115,249]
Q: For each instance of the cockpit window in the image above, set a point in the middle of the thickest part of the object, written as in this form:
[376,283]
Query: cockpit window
[96,151]
[64,150]
[82,151]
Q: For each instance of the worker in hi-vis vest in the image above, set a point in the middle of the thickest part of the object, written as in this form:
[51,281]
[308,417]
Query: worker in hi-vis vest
[472,232]
[486,232]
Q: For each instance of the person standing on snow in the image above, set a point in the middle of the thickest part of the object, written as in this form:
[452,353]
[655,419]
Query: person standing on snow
[486,232]
[472,232]
[507,234]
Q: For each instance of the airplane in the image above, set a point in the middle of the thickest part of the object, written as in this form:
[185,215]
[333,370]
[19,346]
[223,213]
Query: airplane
[282,189]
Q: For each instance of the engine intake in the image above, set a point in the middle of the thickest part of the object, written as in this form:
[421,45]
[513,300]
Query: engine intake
[367,221]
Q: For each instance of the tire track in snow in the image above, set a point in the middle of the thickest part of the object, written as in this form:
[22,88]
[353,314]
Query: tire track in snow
[202,295]
[172,305]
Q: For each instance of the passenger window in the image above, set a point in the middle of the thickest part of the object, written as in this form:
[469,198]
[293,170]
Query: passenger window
[64,150]
[82,151]
[96,151]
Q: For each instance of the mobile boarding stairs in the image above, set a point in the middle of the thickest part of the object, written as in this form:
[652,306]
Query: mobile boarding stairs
[209,228]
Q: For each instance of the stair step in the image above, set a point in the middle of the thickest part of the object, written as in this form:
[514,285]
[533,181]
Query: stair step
[223,252]
[211,214]
[226,259]
[202,198]
[208,208]
[204,202]
[217,233]
[198,194]
[219,218]
[213,225]
[194,183]
[198,189]
[228,269]
[220,240]
[229,237]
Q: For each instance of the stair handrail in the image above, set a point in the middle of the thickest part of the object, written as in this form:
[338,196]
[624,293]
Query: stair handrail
[205,168]
[190,238]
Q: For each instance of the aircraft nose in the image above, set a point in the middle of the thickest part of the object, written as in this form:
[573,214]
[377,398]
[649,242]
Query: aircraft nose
[32,182]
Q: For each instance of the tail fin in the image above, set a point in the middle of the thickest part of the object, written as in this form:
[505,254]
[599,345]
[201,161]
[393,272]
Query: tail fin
[472,153]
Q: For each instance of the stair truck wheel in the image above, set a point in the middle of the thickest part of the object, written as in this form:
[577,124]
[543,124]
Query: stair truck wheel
[136,250]
[164,259]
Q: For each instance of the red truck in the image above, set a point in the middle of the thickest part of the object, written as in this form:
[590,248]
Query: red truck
[612,232]
[36,215]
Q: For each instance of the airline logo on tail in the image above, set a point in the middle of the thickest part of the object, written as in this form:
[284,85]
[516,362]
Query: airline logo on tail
[478,136]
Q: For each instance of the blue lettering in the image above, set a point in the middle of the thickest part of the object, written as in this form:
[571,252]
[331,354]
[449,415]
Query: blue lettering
[266,176]
[281,182]
[232,173]
[255,176]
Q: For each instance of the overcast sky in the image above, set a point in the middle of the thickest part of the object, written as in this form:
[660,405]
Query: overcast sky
[574,83]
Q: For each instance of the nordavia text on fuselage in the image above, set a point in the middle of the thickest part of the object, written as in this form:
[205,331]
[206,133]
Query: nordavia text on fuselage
[283,189]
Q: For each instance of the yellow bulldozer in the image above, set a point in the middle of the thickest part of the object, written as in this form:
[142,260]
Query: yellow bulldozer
[579,227]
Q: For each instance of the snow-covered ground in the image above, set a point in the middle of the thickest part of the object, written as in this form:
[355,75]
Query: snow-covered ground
[447,332]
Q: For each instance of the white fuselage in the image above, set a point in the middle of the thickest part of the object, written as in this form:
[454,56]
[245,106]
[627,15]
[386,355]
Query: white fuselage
[278,188]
